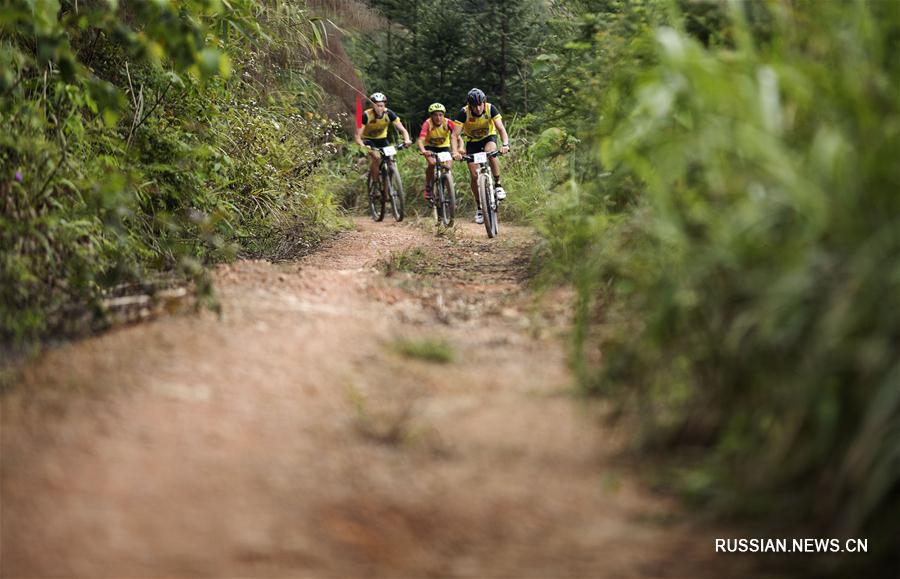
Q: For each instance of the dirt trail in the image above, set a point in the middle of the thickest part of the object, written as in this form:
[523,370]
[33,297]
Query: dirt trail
[294,438]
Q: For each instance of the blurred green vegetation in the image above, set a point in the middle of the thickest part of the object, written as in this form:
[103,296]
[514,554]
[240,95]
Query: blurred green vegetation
[147,137]
[429,350]
[731,221]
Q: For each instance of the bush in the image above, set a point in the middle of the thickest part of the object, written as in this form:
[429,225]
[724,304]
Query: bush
[745,298]
[150,138]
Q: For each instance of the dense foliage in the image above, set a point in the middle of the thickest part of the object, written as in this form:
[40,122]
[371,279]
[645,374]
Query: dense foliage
[436,50]
[735,238]
[148,137]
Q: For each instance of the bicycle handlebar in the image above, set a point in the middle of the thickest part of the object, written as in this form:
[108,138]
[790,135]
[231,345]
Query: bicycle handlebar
[381,149]
[467,158]
[471,158]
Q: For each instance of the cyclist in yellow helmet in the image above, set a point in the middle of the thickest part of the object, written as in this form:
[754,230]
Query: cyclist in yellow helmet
[374,130]
[480,122]
[435,136]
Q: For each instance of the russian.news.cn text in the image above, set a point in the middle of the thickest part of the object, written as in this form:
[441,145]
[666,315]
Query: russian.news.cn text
[757,545]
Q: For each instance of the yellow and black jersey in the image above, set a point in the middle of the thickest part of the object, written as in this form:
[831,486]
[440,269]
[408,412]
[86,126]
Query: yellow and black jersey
[476,128]
[375,127]
[436,136]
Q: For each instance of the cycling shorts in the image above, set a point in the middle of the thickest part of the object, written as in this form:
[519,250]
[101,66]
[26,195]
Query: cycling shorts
[378,143]
[473,147]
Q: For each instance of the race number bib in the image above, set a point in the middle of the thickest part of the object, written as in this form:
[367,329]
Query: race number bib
[480,158]
[389,151]
[444,156]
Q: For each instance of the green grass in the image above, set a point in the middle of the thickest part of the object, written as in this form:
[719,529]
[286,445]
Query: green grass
[409,260]
[435,351]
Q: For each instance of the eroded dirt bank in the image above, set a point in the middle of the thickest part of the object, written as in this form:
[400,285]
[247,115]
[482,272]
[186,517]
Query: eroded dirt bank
[304,435]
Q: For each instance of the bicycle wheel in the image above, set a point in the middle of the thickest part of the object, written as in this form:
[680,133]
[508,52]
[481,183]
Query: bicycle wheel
[488,206]
[447,200]
[376,198]
[437,193]
[396,191]
[495,211]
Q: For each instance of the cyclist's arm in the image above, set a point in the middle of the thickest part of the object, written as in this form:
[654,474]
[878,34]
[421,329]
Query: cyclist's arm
[504,138]
[455,139]
[360,129]
[358,137]
[399,125]
[422,134]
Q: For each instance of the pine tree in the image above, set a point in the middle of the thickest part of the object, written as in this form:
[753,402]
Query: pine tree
[436,50]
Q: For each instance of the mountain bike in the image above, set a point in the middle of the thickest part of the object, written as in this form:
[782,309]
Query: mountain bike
[443,197]
[487,196]
[387,186]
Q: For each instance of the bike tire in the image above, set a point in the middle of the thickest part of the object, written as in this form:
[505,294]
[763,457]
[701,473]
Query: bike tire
[398,198]
[490,213]
[447,201]
[437,193]
[495,215]
[376,198]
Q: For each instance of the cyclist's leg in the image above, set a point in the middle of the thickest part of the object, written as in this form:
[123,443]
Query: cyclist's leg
[374,162]
[495,167]
[375,156]
[473,147]
[489,147]
[473,183]
[429,174]
[432,164]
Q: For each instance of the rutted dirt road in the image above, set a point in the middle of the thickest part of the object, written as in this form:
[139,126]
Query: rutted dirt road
[298,437]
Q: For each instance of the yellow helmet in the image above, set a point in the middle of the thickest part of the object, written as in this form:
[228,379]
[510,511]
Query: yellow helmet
[435,107]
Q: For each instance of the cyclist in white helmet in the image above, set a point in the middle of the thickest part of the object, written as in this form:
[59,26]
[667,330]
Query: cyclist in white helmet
[374,130]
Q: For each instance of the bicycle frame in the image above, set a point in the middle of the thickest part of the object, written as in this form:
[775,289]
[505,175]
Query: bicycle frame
[387,156]
[387,168]
[443,201]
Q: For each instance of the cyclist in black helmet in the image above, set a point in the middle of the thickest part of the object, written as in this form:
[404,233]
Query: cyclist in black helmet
[480,124]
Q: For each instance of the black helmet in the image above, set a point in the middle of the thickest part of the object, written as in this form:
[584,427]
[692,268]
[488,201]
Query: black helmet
[476,96]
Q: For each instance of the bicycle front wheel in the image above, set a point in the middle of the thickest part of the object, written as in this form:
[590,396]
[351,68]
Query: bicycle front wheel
[376,198]
[437,194]
[488,205]
[447,200]
[396,192]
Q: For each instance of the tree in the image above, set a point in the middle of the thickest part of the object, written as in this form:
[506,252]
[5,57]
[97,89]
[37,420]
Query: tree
[436,50]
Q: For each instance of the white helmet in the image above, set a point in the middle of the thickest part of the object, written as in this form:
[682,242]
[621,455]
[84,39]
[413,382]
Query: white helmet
[378,97]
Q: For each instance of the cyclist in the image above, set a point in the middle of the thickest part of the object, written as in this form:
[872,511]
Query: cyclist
[374,129]
[437,130]
[481,123]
